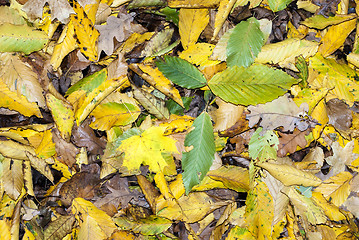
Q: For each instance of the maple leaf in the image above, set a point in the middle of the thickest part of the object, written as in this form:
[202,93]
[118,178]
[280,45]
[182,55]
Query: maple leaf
[147,149]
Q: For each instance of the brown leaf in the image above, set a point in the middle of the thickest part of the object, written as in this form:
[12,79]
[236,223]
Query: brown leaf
[120,195]
[339,114]
[84,136]
[82,185]
[288,142]
[66,152]
[120,28]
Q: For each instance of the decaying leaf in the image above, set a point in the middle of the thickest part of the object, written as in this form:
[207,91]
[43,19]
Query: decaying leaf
[282,112]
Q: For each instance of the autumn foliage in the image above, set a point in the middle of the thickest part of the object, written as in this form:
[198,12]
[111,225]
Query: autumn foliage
[218,119]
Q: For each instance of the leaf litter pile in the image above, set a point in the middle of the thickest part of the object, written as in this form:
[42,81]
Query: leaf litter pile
[219,119]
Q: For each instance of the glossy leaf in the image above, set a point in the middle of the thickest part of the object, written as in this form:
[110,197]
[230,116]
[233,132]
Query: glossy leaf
[199,155]
[250,86]
[244,43]
[181,72]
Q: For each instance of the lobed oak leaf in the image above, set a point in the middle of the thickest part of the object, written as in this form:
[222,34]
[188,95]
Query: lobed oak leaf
[281,112]
[288,143]
[120,28]
[60,9]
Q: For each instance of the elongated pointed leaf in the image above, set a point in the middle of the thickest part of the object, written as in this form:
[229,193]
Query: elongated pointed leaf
[244,43]
[21,38]
[250,86]
[181,72]
[153,104]
[198,160]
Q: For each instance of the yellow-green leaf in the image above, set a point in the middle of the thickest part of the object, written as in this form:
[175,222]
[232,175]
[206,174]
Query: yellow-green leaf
[21,38]
[63,115]
[340,78]
[259,211]
[112,114]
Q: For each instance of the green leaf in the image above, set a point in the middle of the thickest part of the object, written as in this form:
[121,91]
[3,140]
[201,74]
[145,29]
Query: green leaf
[89,83]
[198,160]
[181,72]
[250,86]
[245,43]
[263,146]
[278,5]
[175,108]
[21,38]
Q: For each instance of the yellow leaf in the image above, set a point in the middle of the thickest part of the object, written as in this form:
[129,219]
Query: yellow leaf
[62,114]
[193,3]
[12,177]
[27,175]
[293,32]
[191,24]
[312,97]
[199,54]
[337,188]
[86,34]
[284,52]
[20,78]
[305,207]
[147,149]
[41,166]
[235,178]
[208,183]
[335,37]
[332,211]
[289,175]
[162,185]
[94,223]
[46,147]
[5,229]
[66,44]
[259,211]
[14,101]
[225,7]
[157,80]
[190,209]
[176,124]
[226,115]
[12,149]
[332,75]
